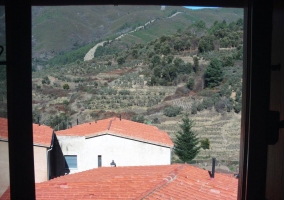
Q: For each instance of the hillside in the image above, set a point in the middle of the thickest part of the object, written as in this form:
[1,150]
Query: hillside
[154,77]
[60,30]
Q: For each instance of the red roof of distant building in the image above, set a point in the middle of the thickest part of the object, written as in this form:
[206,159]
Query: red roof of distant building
[42,135]
[123,128]
[179,181]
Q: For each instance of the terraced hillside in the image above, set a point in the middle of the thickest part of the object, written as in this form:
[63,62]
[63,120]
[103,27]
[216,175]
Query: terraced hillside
[154,75]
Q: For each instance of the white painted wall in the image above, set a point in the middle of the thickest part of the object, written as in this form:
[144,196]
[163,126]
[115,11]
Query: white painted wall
[123,151]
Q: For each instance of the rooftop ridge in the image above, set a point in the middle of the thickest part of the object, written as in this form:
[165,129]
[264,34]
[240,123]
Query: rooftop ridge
[122,128]
[172,175]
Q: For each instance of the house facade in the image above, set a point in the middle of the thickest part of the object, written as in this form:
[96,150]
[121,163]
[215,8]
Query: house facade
[48,159]
[125,142]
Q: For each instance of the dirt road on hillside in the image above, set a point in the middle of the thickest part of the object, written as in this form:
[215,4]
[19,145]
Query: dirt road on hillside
[90,54]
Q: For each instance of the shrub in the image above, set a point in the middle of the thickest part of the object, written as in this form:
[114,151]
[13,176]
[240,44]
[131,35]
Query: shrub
[156,60]
[190,83]
[124,92]
[200,107]
[120,60]
[156,121]
[237,107]
[228,61]
[66,86]
[208,103]
[193,109]
[138,118]
[182,90]
[172,111]
[45,80]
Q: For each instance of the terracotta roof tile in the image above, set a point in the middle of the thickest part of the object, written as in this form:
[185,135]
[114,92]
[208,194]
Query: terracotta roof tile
[42,135]
[124,128]
[180,181]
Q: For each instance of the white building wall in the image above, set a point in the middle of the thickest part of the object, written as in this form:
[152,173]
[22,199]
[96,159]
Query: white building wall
[123,151]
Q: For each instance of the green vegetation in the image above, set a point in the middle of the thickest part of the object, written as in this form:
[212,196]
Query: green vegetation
[205,143]
[45,80]
[172,111]
[138,118]
[66,86]
[186,143]
[141,74]
[214,73]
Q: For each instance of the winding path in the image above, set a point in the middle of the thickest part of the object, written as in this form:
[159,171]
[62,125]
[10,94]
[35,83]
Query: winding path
[91,52]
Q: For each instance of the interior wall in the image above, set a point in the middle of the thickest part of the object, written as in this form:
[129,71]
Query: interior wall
[275,159]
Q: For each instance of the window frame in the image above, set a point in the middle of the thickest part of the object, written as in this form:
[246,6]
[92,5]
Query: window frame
[18,18]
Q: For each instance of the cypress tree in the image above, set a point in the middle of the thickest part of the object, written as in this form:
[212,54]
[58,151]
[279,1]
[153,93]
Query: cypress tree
[186,141]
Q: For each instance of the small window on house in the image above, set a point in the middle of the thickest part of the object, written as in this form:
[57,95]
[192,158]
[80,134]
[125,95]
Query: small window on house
[99,160]
[71,161]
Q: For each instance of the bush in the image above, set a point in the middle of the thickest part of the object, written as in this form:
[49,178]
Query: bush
[237,107]
[124,92]
[120,60]
[193,109]
[138,118]
[228,61]
[45,80]
[190,83]
[172,111]
[208,103]
[156,60]
[66,86]
[200,107]
[156,121]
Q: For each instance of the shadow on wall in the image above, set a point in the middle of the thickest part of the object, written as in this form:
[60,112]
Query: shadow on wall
[57,161]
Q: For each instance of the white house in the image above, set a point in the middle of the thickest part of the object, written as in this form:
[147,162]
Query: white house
[125,142]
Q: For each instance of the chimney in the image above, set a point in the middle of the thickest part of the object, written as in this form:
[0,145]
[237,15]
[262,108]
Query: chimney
[120,117]
[38,120]
[77,121]
[212,173]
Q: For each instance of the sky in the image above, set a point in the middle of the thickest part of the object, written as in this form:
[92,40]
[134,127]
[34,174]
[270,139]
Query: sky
[197,7]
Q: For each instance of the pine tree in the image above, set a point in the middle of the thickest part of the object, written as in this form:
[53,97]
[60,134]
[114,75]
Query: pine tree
[186,141]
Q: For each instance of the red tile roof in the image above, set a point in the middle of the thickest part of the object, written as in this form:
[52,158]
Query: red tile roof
[42,135]
[179,181]
[123,128]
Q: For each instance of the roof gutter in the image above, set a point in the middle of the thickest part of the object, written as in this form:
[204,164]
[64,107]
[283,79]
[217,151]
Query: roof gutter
[48,156]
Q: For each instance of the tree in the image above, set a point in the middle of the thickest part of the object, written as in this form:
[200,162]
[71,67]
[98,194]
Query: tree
[66,86]
[206,44]
[156,60]
[190,83]
[195,64]
[120,60]
[214,73]
[186,141]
